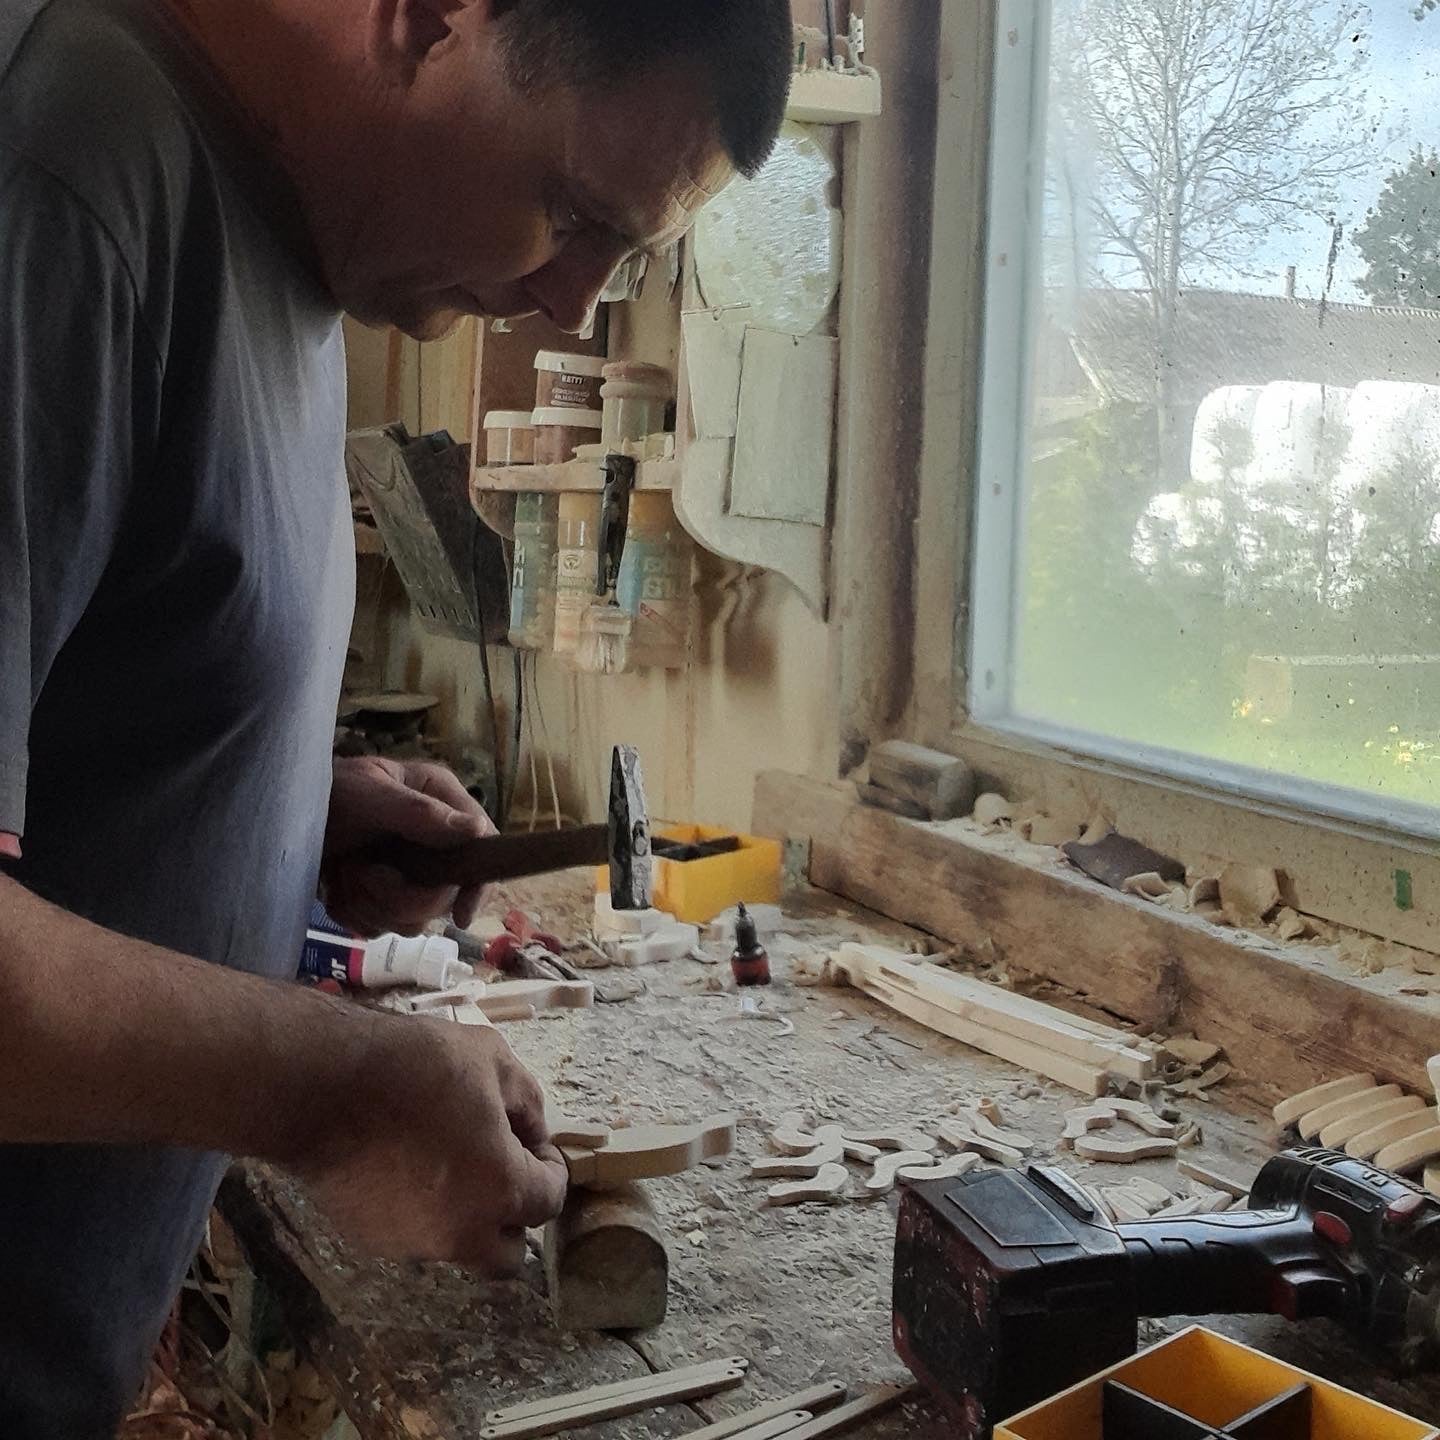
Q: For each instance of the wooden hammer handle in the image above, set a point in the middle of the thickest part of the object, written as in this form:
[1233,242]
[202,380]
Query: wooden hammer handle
[493,858]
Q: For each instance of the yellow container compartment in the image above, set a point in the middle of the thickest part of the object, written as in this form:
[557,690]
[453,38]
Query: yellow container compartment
[1215,1381]
[696,891]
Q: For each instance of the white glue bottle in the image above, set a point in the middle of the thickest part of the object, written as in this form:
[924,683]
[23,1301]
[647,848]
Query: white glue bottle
[332,953]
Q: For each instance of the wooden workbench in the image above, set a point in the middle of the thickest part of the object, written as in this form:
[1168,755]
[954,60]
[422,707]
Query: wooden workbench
[803,1293]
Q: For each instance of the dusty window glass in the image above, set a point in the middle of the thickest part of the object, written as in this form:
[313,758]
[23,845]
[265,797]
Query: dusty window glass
[1224,543]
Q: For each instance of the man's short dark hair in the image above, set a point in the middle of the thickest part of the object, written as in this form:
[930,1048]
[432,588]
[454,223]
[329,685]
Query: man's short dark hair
[741,47]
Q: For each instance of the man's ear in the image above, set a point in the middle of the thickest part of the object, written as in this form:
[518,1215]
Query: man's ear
[402,33]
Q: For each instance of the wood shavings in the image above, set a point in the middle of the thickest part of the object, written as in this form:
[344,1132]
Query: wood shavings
[1248,893]
[992,810]
[1191,1051]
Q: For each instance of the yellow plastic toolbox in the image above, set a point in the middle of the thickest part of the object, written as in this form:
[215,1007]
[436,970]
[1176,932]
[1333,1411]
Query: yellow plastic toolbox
[696,891]
[1215,1382]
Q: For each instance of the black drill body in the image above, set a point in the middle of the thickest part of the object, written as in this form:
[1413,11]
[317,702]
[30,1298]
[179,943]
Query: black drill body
[1010,1287]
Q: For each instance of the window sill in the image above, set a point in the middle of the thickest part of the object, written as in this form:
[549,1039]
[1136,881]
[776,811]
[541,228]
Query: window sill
[1288,1016]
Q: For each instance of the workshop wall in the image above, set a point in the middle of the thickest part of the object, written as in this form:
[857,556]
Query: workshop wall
[758,694]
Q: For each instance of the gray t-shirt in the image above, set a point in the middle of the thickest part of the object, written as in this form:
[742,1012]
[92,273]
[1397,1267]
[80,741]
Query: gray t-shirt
[176,585]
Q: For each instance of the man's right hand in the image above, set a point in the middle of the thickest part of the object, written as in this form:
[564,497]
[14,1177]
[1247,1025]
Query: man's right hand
[443,1154]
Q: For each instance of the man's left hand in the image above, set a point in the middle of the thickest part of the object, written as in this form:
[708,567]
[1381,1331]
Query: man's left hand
[373,799]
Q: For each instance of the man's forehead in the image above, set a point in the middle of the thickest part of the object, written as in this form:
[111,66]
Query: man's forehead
[651,208]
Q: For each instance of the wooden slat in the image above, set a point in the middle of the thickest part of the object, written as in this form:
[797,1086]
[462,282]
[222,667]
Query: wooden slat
[1287,1018]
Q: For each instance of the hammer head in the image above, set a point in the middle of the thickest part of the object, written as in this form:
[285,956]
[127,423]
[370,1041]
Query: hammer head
[630,861]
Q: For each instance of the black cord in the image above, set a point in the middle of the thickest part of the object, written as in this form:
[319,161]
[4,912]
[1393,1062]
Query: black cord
[515,738]
[502,801]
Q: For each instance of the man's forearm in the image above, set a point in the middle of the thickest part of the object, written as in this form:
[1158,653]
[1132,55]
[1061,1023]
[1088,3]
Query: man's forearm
[108,1039]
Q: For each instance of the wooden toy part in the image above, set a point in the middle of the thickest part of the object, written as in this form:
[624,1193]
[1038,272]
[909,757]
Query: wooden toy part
[846,1417]
[1369,1143]
[827,1185]
[1287,1112]
[785,1424]
[569,1400]
[961,1137]
[644,1152]
[1125,1204]
[1084,1118]
[793,1136]
[1404,1156]
[1338,1132]
[493,1012]
[665,1389]
[894,1137]
[854,1149]
[881,1181]
[542,994]
[1145,1116]
[814,1400]
[1123,1152]
[577,1134]
[1193,1170]
[950,1169]
[799,1167]
[1011,1139]
[1312,1124]
[988,1107]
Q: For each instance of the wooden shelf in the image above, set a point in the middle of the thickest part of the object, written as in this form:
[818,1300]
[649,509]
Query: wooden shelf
[569,476]
[833,97]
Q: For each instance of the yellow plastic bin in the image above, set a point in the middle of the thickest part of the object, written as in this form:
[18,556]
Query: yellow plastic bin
[696,891]
[1215,1381]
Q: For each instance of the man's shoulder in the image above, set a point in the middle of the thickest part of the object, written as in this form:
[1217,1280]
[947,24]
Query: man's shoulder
[87,98]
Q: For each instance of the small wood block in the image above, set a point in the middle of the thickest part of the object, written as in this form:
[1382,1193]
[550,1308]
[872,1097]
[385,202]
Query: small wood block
[895,1137]
[606,1265]
[493,1012]
[1138,1113]
[854,1149]
[1339,1132]
[938,785]
[1153,1194]
[1123,1152]
[961,1137]
[1125,1205]
[814,1400]
[569,1400]
[1409,1154]
[848,1416]
[1083,1119]
[949,1169]
[1190,1051]
[643,1152]
[1369,1143]
[785,1424]
[1193,1170]
[578,1134]
[798,1167]
[1311,1124]
[1287,1112]
[881,1181]
[827,1185]
[542,994]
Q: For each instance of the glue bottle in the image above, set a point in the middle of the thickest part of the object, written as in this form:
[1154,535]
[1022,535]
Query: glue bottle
[331,952]
[750,964]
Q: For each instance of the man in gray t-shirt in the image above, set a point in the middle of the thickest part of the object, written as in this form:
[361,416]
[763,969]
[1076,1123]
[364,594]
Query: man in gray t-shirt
[191,191]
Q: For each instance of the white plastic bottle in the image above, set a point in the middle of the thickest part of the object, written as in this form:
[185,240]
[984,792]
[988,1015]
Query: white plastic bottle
[331,953]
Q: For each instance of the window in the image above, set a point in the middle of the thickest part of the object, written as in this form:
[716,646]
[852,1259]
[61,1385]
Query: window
[1207,520]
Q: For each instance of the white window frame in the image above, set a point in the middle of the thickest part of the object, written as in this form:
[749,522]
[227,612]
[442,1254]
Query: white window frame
[1341,862]
[1017,139]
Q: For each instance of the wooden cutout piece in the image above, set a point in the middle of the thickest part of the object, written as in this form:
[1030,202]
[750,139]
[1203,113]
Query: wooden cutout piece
[792,1136]
[1287,1112]
[578,1134]
[895,1137]
[1403,1156]
[553,1422]
[798,1167]
[1311,1124]
[572,1399]
[881,1181]
[827,1185]
[1144,1116]
[542,994]
[814,1400]
[1369,1143]
[1083,1119]
[854,1149]
[1338,1132]
[644,1152]
[950,1169]
[989,1109]
[984,1128]
[846,1416]
[1125,1205]
[961,1137]
[1193,1170]
[785,1424]
[1123,1152]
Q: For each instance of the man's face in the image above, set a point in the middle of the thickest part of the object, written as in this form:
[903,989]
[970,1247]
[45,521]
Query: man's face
[489,201]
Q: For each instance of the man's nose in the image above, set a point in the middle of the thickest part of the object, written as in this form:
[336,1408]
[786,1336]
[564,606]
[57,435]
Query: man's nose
[568,288]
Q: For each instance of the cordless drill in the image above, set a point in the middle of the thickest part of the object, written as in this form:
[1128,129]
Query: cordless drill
[1010,1287]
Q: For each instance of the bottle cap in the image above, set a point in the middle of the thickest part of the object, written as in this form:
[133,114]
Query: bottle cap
[747,939]
[439,966]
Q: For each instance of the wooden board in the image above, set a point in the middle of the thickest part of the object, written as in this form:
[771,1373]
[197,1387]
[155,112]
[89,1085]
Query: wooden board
[1303,1019]
[645,1152]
